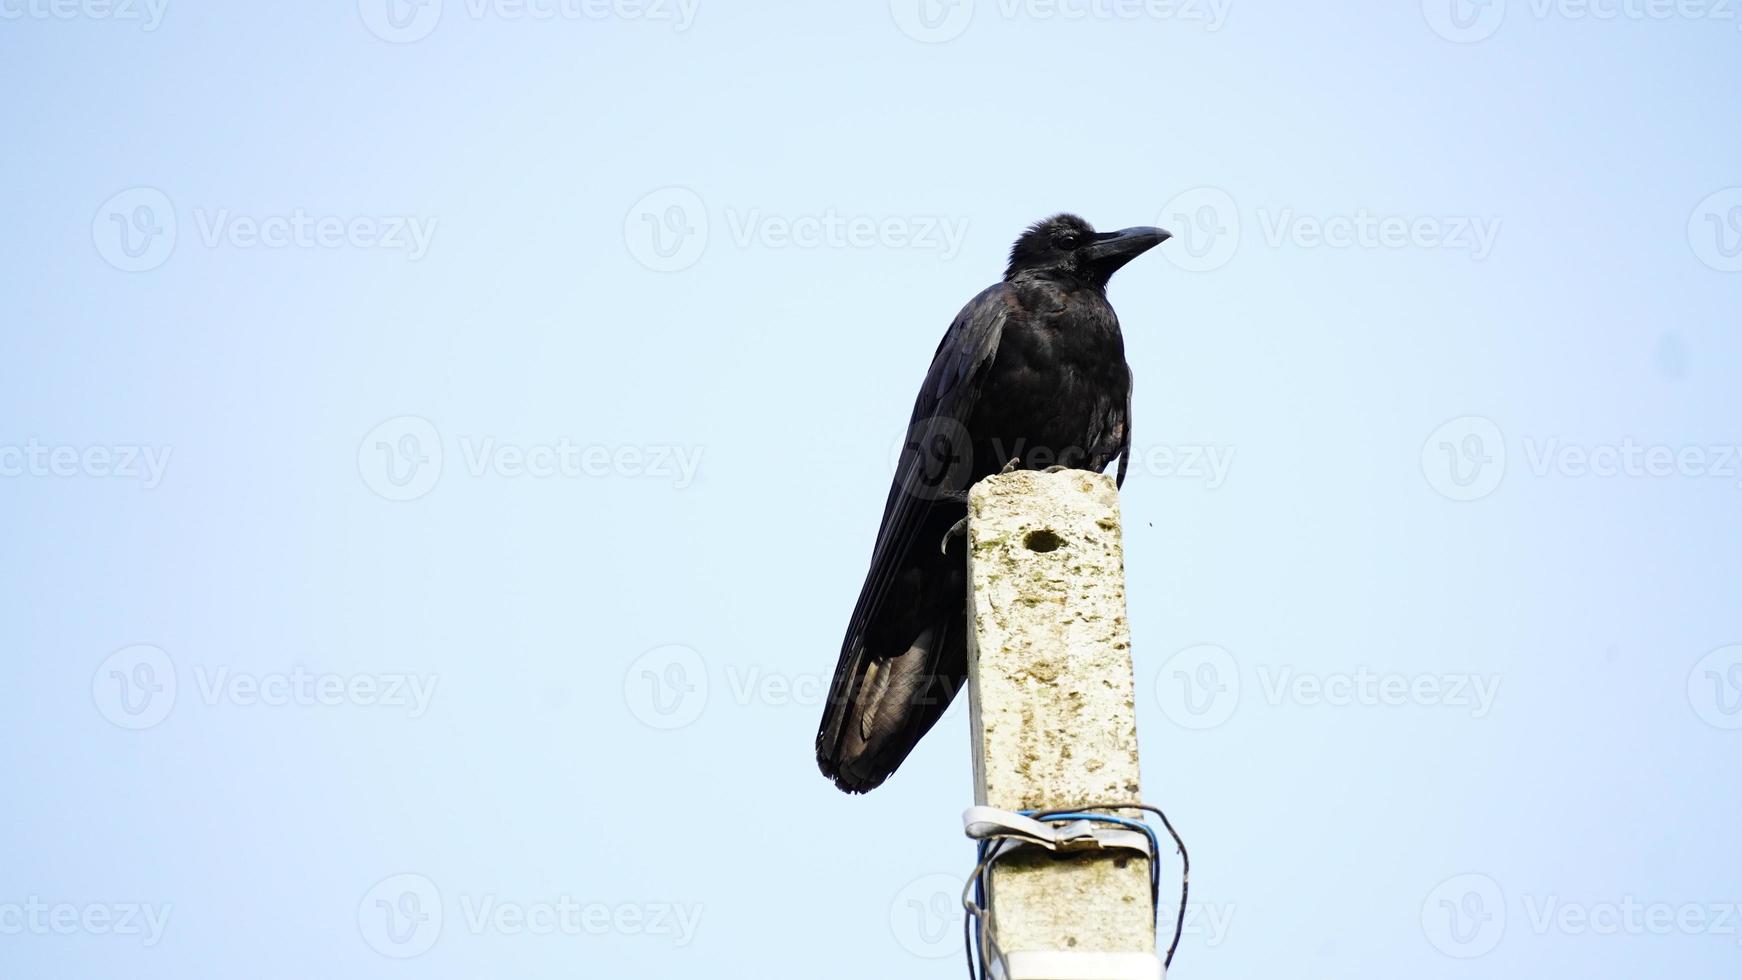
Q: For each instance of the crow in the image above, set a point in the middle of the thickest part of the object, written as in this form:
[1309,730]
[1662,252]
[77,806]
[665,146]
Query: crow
[1031,374]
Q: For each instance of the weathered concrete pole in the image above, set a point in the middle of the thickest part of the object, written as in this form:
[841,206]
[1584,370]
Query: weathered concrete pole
[1052,705]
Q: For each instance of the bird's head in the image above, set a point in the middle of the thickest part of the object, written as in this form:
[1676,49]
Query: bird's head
[1065,244]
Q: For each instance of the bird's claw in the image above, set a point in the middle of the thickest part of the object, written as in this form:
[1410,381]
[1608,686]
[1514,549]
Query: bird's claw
[958,529]
[1055,469]
[1010,467]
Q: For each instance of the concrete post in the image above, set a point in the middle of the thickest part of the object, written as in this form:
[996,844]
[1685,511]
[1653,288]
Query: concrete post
[1052,703]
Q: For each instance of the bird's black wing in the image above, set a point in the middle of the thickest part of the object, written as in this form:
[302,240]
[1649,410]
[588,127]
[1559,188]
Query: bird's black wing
[937,461]
[897,661]
[1125,430]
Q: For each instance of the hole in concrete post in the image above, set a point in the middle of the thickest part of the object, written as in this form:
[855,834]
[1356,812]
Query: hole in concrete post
[1042,541]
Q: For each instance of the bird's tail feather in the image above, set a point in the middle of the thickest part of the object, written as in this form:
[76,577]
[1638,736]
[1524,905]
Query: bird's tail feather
[879,709]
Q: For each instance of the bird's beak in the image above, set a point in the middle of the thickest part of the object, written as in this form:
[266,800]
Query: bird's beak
[1108,251]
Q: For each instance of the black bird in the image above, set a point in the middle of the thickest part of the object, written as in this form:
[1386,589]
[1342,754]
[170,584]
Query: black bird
[1032,373]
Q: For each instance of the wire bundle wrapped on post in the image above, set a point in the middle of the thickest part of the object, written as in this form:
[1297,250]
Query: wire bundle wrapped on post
[1073,828]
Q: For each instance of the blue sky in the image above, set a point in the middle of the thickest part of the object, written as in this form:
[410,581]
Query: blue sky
[442,443]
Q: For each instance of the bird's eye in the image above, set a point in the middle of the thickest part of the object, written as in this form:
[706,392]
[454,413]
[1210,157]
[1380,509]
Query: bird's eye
[1067,241]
